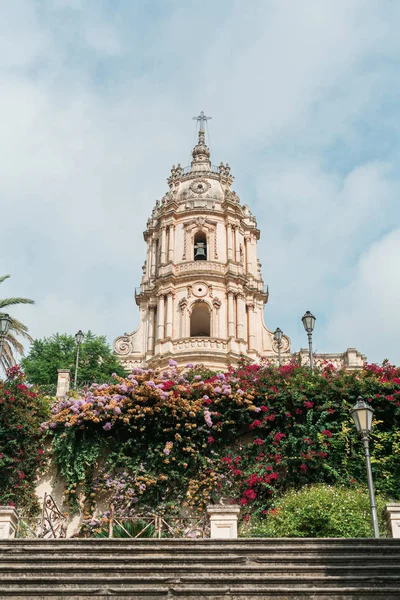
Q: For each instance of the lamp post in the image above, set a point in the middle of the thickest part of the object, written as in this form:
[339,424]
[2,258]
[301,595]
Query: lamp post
[309,322]
[79,339]
[5,324]
[278,333]
[362,415]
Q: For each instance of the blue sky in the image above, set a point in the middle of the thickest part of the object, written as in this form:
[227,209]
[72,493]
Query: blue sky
[97,104]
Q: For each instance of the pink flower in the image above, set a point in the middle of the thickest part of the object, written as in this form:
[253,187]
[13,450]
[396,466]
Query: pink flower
[210,439]
[308,404]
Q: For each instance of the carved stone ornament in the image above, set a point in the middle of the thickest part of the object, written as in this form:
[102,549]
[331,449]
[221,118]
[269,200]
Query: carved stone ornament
[200,186]
[122,345]
[183,303]
[285,345]
[217,303]
[199,289]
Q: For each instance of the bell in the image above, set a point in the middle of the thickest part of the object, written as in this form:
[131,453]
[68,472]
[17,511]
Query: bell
[200,252]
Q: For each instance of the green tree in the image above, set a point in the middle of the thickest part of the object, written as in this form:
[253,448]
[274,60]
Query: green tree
[11,342]
[47,355]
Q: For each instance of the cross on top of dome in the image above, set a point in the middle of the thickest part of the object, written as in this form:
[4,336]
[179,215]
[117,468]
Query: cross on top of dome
[202,118]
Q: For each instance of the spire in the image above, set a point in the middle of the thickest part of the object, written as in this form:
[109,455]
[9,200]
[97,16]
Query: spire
[201,153]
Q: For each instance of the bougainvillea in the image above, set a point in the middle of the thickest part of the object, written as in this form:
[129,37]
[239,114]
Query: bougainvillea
[22,451]
[174,440]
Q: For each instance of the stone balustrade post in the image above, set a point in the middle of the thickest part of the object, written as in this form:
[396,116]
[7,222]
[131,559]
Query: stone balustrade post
[392,516]
[63,382]
[8,522]
[223,521]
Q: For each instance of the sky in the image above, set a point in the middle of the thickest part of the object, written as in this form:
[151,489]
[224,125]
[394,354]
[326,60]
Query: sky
[96,104]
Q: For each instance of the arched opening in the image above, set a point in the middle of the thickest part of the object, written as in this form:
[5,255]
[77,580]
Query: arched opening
[200,320]
[200,246]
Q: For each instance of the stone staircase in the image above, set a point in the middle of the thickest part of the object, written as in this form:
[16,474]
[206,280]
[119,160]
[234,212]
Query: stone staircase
[207,569]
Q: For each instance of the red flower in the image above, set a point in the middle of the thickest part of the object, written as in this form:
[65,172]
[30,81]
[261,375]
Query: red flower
[278,436]
[264,408]
[303,467]
[327,433]
[308,404]
[255,424]
[243,501]
[210,439]
[250,494]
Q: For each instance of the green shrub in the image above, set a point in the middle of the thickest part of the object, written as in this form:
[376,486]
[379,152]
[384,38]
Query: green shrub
[319,511]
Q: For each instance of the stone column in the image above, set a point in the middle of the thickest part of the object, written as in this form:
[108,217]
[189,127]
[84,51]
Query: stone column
[163,256]
[223,521]
[248,254]
[216,328]
[171,244]
[8,522]
[231,315]
[237,245]
[392,516]
[150,331]
[63,382]
[229,241]
[153,259]
[241,317]
[251,327]
[161,317]
[183,307]
[169,320]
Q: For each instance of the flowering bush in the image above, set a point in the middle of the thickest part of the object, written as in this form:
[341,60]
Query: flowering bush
[319,511]
[162,441]
[21,441]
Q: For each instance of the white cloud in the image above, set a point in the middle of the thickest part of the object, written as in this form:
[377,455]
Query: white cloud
[96,105]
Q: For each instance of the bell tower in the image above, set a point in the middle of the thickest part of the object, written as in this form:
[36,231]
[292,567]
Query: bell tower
[202,296]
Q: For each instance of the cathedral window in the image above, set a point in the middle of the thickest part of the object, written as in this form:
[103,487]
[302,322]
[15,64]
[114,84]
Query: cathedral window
[200,320]
[200,246]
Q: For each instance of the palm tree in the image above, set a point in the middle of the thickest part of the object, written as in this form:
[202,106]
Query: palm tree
[11,343]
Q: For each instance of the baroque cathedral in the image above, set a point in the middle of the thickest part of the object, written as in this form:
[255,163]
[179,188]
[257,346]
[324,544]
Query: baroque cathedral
[202,296]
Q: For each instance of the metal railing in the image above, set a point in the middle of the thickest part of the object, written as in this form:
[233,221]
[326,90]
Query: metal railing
[189,169]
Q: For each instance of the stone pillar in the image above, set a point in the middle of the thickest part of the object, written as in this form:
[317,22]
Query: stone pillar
[237,245]
[248,254]
[216,327]
[169,320]
[163,257]
[161,317]
[229,241]
[223,521]
[153,258]
[183,307]
[63,382]
[8,522]
[150,331]
[251,327]
[241,318]
[231,315]
[392,516]
[171,244]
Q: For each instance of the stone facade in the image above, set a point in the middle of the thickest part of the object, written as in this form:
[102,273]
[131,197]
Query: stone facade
[202,296]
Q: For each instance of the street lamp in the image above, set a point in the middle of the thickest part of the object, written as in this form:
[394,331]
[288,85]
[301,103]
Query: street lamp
[79,339]
[362,415]
[309,322]
[5,324]
[278,333]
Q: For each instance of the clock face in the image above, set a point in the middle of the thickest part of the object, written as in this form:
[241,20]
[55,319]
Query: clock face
[199,289]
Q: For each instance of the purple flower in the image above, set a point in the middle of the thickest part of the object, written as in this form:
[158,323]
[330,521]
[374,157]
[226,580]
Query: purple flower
[190,366]
[172,363]
[207,418]
[117,410]
[151,384]
[240,392]
[123,388]
[217,390]
[197,377]
[257,409]
[220,376]
[107,426]
[53,425]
